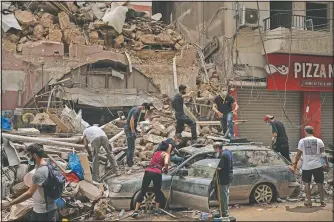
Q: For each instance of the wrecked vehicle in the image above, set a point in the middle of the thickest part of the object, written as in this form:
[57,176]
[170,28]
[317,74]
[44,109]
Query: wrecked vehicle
[260,175]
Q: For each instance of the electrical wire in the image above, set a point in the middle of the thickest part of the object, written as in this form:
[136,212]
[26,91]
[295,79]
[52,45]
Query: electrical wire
[289,65]
[267,61]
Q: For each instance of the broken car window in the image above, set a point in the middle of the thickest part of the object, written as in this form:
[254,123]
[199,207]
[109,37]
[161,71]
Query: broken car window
[264,158]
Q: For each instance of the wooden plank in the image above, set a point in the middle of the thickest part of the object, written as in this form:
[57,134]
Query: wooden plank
[57,164]
[175,73]
[218,138]
[63,128]
[85,166]
[216,123]
[120,155]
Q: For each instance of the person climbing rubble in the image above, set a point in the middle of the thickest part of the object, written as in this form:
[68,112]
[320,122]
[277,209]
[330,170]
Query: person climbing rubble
[96,137]
[225,107]
[130,129]
[44,208]
[157,166]
[172,143]
[181,117]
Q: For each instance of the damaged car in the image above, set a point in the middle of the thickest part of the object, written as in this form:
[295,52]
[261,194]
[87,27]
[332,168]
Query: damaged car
[260,175]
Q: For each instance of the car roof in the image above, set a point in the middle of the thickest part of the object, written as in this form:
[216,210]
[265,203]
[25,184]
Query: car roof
[232,147]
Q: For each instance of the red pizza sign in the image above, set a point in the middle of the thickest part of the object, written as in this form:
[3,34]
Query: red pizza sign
[305,73]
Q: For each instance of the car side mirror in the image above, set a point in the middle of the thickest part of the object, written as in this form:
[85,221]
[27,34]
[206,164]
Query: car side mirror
[182,172]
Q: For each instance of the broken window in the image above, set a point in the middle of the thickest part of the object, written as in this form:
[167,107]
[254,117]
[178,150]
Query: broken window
[264,158]
[240,159]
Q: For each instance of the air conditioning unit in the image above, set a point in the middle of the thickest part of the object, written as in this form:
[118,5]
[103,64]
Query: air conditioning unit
[248,17]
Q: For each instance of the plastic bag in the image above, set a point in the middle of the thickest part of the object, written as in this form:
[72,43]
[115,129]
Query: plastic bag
[76,120]
[75,165]
[116,18]
[5,124]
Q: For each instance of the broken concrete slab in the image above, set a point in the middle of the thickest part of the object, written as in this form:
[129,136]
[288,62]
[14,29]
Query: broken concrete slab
[154,139]
[25,17]
[70,35]
[8,45]
[43,49]
[19,189]
[64,21]
[47,21]
[100,209]
[55,35]
[38,32]
[11,153]
[18,211]
[13,38]
[92,192]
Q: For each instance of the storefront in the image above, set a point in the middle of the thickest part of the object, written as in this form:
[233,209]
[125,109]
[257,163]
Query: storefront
[303,85]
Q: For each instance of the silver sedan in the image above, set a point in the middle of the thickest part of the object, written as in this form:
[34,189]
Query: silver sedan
[260,175]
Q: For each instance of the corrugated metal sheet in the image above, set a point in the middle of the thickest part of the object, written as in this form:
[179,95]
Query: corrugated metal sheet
[255,104]
[327,118]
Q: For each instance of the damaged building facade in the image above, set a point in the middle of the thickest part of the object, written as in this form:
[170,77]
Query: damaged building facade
[64,46]
[277,57]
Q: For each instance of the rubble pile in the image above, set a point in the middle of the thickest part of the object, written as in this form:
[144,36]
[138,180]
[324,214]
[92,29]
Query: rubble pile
[111,25]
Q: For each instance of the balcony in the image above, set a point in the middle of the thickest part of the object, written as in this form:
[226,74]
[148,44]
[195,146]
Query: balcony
[285,20]
[285,33]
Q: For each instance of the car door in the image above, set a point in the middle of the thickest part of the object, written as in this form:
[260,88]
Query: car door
[192,191]
[271,168]
[244,176]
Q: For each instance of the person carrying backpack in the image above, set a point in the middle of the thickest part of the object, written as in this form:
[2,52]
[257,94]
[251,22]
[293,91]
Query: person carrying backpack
[47,186]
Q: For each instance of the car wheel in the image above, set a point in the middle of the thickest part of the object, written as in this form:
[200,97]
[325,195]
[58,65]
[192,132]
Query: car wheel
[149,202]
[263,193]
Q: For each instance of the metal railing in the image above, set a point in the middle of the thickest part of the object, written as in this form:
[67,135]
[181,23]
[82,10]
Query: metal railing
[287,20]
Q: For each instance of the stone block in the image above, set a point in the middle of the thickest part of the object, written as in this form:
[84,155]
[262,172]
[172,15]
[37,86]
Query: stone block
[25,17]
[43,49]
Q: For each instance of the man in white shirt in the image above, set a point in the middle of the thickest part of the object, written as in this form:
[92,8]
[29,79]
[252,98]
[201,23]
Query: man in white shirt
[313,150]
[95,136]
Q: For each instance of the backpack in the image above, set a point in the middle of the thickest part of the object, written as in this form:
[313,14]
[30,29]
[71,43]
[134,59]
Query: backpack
[54,185]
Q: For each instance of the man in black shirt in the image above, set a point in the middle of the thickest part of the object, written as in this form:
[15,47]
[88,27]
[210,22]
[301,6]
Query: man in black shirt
[280,140]
[223,176]
[225,106]
[130,129]
[181,118]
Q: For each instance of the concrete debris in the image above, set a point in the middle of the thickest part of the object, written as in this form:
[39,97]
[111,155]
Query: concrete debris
[64,21]
[13,38]
[25,18]
[47,20]
[117,26]
[100,209]
[38,32]
[19,189]
[89,190]
[55,35]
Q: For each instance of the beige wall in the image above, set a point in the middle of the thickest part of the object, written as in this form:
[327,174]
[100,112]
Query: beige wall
[248,42]
[302,41]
